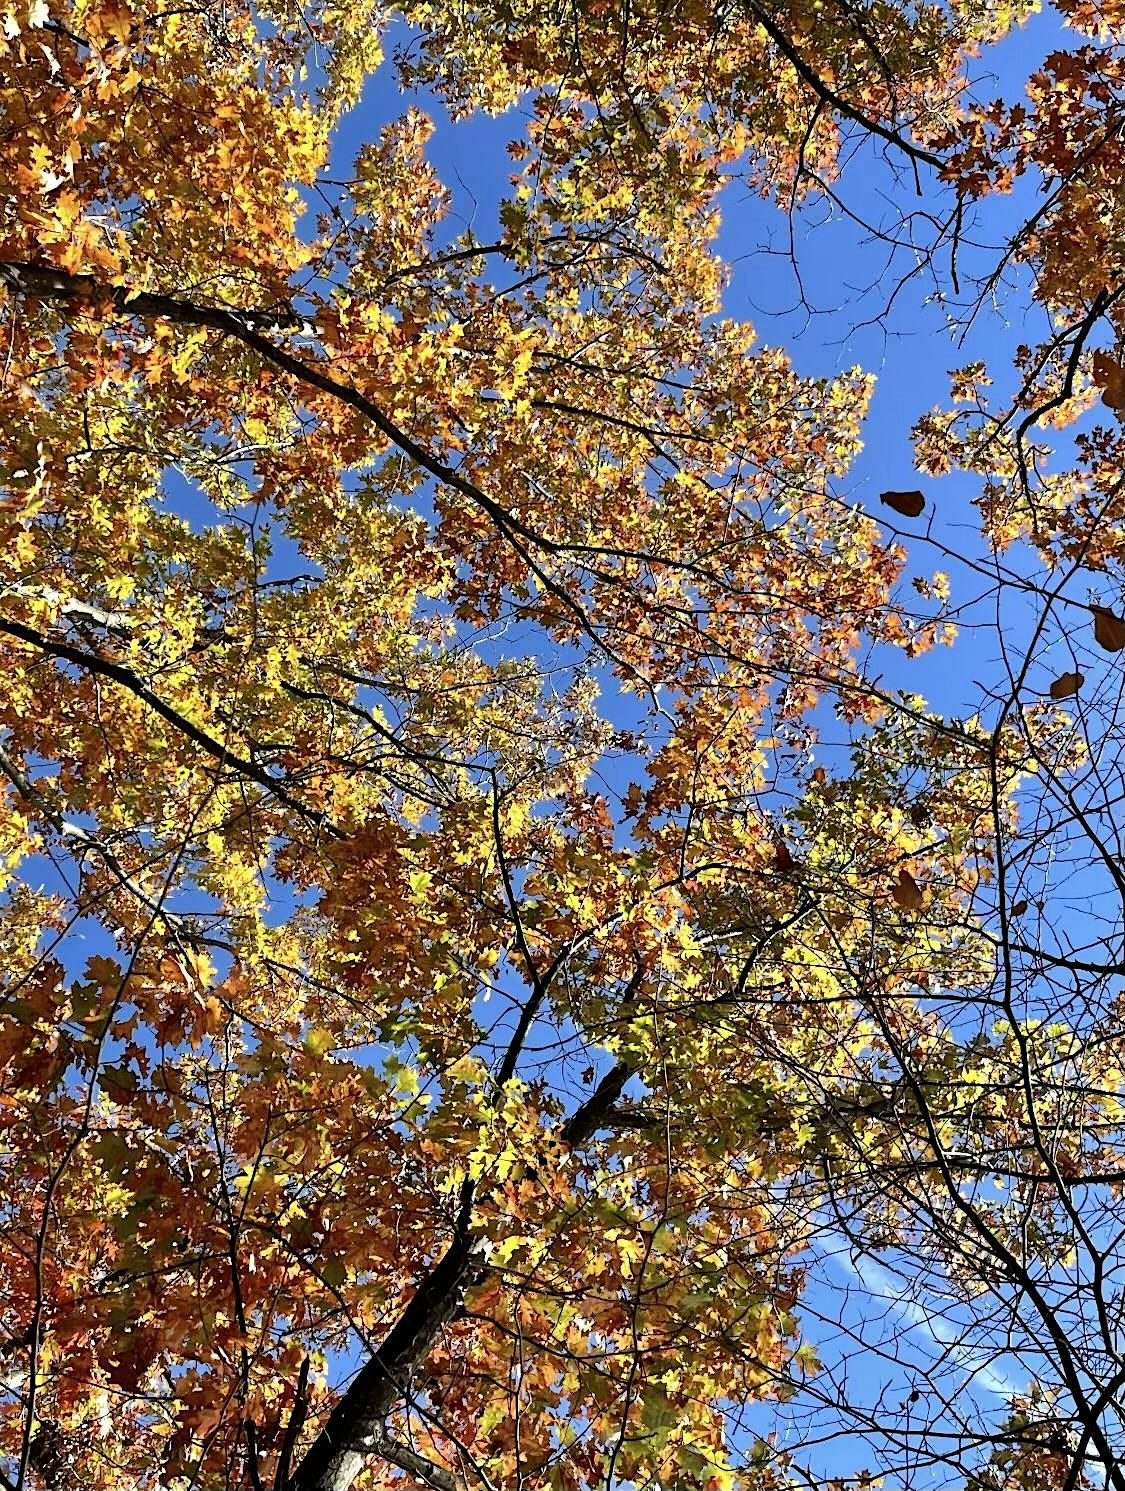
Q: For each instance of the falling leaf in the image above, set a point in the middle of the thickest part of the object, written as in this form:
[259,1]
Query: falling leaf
[318,1041]
[1067,684]
[1109,630]
[907,893]
[909,504]
[1110,377]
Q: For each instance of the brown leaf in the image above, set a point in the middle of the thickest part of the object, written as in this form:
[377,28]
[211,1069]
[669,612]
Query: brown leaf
[907,893]
[909,504]
[1110,376]
[1109,630]
[783,859]
[1017,908]
[1067,684]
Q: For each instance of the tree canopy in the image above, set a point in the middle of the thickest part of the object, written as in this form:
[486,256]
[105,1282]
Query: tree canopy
[487,917]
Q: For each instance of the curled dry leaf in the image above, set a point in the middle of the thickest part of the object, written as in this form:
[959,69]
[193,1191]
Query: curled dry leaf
[1109,630]
[907,893]
[1067,684]
[909,504]
[1017,908]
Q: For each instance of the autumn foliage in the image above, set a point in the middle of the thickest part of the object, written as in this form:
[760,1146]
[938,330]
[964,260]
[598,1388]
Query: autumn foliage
[487,916]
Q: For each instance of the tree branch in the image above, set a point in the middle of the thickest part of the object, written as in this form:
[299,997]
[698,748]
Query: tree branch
[595,1112]
[407,1459]
[119,673]
[829,96]
[355,1428]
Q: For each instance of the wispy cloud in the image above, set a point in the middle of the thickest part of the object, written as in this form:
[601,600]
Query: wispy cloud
[880,1282]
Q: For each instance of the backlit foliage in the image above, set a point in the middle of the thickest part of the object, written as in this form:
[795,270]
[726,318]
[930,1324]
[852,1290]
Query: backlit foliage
[455,978]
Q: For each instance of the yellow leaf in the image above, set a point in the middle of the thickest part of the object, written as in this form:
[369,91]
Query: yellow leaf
[318,1041]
